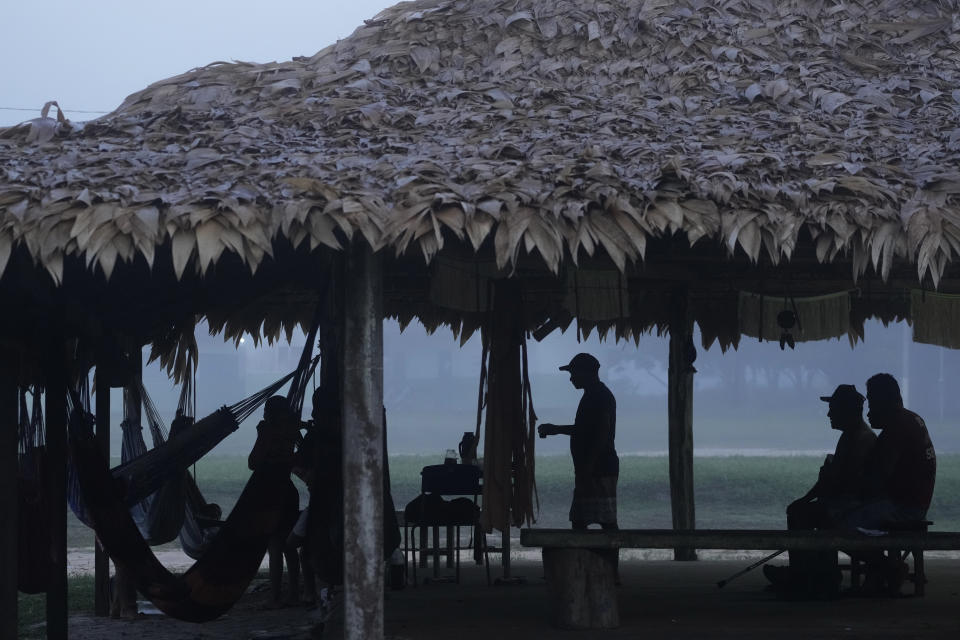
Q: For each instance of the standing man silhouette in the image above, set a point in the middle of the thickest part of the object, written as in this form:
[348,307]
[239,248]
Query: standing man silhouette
[595,462]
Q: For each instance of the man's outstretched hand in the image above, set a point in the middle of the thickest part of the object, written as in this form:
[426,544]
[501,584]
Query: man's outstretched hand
[547,429]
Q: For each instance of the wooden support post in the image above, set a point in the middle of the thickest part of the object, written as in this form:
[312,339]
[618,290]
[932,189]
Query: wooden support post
[680,408]
[581,587]
[124,601]
[363,445]
[56,423]
[8,498]
[101,562]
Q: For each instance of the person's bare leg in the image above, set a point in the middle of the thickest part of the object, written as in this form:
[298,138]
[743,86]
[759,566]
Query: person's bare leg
[123,604]
[115,593]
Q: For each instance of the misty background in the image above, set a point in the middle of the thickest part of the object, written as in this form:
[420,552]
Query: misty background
[753,400]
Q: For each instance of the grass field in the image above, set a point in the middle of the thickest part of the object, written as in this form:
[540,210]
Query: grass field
[32,608]
[730,491]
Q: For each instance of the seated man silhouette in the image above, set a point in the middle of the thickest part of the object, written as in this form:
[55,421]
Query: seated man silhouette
[836,493]
[899,477]
[840,482]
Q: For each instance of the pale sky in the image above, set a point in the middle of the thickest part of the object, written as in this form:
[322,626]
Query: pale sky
[90,54]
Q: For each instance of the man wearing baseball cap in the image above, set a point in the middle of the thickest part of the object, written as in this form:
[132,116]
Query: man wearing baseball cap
[836,493]
[595,462]
[840,483]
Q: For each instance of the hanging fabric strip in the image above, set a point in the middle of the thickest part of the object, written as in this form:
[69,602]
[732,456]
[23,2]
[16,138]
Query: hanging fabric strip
[187,404]
[33,523]
[482,393]
[935,318]
[25,436]
[596,295]
[461,285]
[576,303]
[821,317]
[528,499]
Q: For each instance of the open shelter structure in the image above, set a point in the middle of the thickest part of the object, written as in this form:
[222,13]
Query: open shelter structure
[620,166]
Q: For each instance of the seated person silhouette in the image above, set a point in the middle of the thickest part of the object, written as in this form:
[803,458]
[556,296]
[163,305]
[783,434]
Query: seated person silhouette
[836,493]
[898,480]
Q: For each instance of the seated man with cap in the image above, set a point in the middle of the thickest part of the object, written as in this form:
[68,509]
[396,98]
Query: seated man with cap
[835,494]
[840,483]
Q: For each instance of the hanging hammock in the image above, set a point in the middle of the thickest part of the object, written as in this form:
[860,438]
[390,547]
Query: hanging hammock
[195,534]
[33,556]
[160,515]
[145,474]
[180,512]
[74,497]
[162,496]
[216,581]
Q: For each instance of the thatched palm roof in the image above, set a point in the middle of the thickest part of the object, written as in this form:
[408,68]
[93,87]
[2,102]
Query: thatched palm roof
[557,127]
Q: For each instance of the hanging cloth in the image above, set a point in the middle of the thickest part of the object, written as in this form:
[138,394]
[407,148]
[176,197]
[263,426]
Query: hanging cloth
[935,318]
[509,438]
[821,317]
[33,524]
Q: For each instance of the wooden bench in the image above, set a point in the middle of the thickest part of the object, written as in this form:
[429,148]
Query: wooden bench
[580,565]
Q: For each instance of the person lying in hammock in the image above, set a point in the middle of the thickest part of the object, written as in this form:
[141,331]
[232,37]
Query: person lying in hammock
[277,436]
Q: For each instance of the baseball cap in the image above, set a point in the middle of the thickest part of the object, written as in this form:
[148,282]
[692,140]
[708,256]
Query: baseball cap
[845,394]
[582,362]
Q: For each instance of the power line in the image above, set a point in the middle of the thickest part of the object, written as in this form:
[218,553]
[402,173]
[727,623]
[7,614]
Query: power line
[35,109]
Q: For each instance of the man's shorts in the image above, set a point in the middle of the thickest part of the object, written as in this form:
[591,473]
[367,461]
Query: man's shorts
[594,500]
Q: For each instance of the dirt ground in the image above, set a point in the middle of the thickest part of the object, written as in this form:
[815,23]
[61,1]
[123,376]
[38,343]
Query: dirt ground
[659,599]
